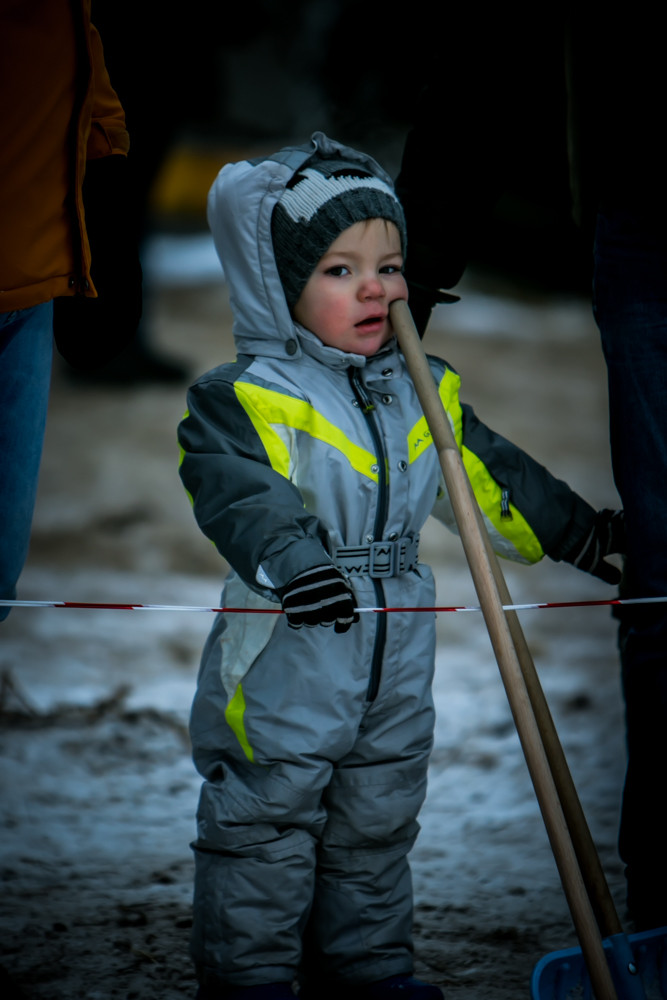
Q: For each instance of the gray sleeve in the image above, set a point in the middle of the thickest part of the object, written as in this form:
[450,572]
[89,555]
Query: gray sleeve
[558,516]
[254,515]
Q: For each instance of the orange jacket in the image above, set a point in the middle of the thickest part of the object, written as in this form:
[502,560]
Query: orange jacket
[58,111]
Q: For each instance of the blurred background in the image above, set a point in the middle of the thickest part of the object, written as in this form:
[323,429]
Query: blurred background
[228,81]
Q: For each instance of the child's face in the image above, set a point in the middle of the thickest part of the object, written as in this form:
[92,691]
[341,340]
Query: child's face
[345,302]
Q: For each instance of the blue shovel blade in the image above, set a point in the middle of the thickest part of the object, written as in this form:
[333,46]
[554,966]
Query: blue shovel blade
[638,964]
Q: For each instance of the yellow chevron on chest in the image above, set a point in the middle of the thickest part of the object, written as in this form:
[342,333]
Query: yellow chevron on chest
[276,418]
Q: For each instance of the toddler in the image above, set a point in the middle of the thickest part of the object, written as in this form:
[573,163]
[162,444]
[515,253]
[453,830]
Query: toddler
[311,468]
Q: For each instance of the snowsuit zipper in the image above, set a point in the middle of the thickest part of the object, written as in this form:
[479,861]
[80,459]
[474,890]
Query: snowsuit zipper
[367,408]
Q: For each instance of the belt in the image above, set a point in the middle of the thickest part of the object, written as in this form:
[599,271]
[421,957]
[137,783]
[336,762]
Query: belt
[379,559]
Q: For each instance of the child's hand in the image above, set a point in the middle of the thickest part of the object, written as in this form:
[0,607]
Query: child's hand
[320,596]
[606,536]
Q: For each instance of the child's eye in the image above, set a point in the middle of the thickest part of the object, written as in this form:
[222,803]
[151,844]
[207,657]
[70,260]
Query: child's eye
[391,269]
[338,270]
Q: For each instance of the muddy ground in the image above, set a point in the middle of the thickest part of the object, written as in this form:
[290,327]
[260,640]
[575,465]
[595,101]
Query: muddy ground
[98,792]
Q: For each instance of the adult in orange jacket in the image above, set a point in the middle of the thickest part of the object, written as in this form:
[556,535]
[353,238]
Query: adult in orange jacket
[68,258]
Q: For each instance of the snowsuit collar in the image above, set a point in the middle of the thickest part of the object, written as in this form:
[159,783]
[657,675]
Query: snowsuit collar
[312,346]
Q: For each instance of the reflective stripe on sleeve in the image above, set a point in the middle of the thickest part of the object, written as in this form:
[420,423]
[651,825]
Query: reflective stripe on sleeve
[513,536]
[514,530]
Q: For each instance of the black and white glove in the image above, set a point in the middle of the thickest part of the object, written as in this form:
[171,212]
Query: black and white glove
[607,536]
[320,596]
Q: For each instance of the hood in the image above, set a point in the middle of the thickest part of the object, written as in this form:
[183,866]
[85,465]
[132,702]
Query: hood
[240,206]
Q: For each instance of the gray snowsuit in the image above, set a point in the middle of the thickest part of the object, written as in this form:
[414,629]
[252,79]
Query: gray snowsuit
[314,746]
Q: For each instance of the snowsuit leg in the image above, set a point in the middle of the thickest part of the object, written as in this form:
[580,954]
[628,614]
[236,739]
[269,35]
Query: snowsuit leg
[308,840]
[253,893]
[361,922]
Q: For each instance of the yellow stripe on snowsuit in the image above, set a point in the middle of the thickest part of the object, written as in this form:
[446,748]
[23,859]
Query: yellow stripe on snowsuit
[419,438]
[276,417]
[234,715]
[181,457]
[489,497]
[487,491]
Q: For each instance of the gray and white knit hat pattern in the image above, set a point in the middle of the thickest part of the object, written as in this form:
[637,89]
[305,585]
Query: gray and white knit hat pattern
[324,198]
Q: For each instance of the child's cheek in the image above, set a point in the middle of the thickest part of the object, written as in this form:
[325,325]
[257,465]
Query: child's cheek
[335,311]
[327,321]
[401,290]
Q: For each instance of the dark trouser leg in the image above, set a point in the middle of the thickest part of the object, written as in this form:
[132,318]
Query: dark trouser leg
[26,349]
[630,298]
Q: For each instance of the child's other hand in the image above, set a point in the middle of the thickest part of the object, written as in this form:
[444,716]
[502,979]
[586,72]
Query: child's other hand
[320,596]
[606,537]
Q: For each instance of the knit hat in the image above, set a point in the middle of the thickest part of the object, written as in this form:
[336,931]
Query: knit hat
[323,198]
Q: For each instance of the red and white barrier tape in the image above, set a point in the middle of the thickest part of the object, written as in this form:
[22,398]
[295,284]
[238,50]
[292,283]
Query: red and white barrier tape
[97,606]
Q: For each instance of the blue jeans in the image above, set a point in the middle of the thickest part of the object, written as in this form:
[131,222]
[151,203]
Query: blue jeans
[630,305]
[26,351]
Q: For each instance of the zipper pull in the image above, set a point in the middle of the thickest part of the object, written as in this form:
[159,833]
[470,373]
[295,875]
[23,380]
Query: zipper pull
[365,402]
[505,512]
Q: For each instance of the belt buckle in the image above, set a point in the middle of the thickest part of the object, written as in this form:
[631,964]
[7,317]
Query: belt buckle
[351,560]
[382,560]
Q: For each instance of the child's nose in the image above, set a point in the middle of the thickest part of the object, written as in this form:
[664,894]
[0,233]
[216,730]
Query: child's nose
[371,288]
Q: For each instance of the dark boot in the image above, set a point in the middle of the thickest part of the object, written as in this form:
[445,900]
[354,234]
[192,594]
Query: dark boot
[395,988]
[402,988]
[264,991]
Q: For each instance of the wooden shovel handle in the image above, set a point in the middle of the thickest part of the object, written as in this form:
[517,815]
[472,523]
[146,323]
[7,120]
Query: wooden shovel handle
[506,643]
[587,855]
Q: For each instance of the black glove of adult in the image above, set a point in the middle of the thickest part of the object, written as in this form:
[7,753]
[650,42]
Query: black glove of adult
[422,301]
[320,596]
[606,536]
[424,288]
